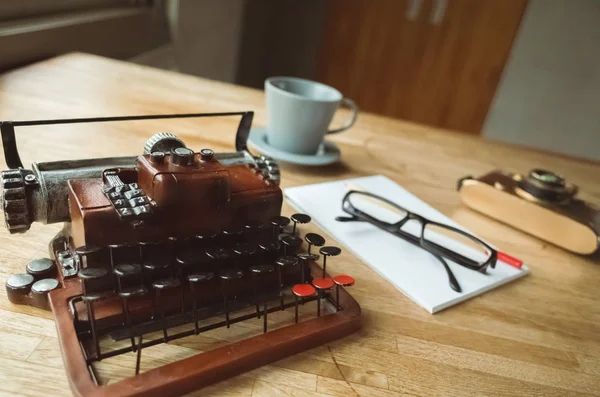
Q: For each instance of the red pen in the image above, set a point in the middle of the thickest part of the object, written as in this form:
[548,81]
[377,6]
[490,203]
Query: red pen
[510,260]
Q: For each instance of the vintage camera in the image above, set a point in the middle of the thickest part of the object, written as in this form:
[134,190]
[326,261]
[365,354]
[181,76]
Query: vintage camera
[540,203]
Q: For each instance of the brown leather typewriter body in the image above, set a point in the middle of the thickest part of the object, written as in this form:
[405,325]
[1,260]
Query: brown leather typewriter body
[202,197]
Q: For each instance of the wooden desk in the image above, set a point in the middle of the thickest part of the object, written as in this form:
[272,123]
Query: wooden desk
[537,336]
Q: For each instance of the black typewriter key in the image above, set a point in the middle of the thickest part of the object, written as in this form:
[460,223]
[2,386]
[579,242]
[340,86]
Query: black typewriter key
[133,193]
[243,251]
[258,272]
[314,239]
[198,279]
[166,284]
[121,203]
[92,273]
[125,212]
[41,268]
[301,219]
[115,195]
[133,186]
[188,259]
[253,226]
[92,292]
[142,200]
[40,290]
[142,210]
[121,188]
[305,261]
[328,251]
[18,286]
[204,240]
[291,244]
[227,276]
[279,223]
[125,294]
[253,230]
[284,263]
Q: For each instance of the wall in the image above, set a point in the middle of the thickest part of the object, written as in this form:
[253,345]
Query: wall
[549,96]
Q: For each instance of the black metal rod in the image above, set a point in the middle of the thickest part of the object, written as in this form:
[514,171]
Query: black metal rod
[296,308]
[191,332]
[265,318]
[319,303]
[139,356]
[121,118]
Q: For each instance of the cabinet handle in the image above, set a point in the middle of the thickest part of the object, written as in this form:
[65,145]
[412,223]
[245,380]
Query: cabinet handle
[414,9]
[439,11]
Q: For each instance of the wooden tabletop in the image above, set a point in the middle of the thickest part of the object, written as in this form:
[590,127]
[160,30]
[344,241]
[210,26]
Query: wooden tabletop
[537,336]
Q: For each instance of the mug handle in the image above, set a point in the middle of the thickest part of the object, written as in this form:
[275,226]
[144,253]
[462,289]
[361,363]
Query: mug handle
[349,103]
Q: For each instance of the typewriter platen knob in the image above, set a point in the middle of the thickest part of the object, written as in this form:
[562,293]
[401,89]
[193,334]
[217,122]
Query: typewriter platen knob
[182,156]
[162,142]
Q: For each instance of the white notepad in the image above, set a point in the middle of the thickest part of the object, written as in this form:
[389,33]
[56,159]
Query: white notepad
[412,270]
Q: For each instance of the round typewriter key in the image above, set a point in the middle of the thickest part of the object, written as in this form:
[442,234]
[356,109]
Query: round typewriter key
[291,244]
[328,251]
[284,263]
[127,269]
[322,284]
[244,249]
[166,284]
[44,286]
[270,246]
[18,286]
[193,279]
[279,223]
[92,273]
[314,239]
[41,268]
[305,260]
[258,271]
[227,275]
[302,291]
[299,218]
[40,290]
[341,281]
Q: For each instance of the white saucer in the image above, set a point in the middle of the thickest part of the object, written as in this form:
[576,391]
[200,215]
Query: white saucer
[328,152]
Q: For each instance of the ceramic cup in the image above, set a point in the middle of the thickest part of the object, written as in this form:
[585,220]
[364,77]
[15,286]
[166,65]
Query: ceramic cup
[299,112]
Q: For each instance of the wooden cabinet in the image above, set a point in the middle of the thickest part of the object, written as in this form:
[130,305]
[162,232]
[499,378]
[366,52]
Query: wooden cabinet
[436,62]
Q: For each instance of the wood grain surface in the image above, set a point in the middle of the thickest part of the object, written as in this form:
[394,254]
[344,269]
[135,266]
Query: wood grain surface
[537,336]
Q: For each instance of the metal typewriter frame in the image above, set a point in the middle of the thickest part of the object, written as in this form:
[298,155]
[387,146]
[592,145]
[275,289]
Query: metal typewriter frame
[206,368]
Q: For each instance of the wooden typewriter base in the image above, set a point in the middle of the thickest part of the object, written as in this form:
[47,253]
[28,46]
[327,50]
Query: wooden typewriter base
[206,368]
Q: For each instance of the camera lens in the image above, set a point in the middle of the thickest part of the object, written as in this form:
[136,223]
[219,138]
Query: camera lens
[547,186]
[547,178]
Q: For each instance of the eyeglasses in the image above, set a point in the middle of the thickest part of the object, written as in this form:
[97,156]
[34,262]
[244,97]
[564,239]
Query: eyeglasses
[442,241]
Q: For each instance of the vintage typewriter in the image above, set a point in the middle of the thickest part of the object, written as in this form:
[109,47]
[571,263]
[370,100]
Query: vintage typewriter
[168,245]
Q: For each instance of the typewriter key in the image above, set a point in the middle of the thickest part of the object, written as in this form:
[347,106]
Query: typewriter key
[299,218]
[314,239]
[41,268]
[328,251]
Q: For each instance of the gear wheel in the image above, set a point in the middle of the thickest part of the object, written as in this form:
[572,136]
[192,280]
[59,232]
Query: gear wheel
[162,142]
[14,201]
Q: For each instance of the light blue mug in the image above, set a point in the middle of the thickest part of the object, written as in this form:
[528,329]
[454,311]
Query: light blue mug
[299,112]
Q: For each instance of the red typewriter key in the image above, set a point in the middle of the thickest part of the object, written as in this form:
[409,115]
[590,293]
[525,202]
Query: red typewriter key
[341,281]
[302,291]
[322,284]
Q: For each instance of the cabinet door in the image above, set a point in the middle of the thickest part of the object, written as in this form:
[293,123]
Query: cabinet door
[435,62]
